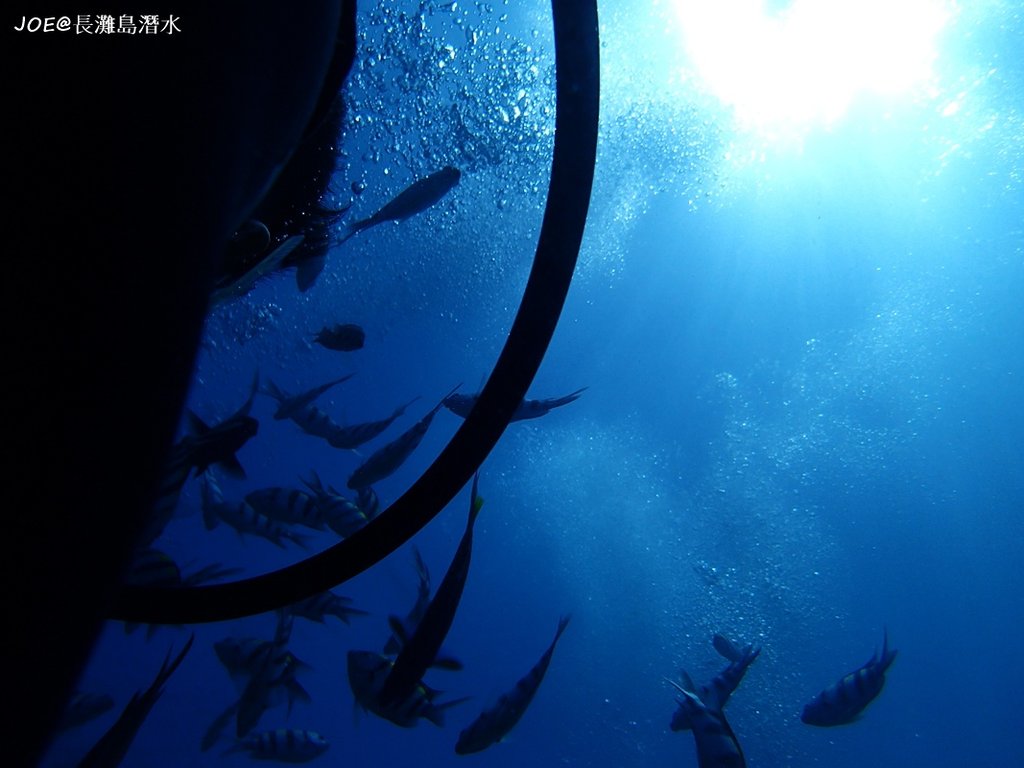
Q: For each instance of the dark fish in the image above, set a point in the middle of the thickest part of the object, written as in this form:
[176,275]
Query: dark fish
[83,708]
[287,505]
[269,679]
[420,651]
[367,672]
[218,444]
[412,619]
[343,337]
[493,724]
[238,287]
[310,419]
[348,438]
[285,745]
[343,515]
[717,692]
[416,198]
[110,750]
[387,459]
[288,405]
[241,516]
[843,702]
[461,405]
[717,745]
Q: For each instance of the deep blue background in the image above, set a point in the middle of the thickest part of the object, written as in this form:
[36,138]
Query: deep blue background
[802,422]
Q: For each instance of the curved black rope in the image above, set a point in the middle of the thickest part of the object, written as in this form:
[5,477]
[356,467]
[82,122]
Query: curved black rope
[572,174]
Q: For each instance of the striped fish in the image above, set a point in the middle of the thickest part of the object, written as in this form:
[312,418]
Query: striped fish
[717,692]
[351,437]
[343,516]
[268,684]
[493,724]
[844,702]
[387,459]
[285,745]
[218,444]
[287,505]
[367,672]
[412,619]
[717,746]
[241,516]
[310,419]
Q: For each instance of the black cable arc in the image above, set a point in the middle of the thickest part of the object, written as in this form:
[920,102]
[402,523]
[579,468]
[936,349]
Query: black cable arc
[572,173]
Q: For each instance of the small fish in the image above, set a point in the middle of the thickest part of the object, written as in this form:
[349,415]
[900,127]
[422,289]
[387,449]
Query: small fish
[390,457]
[243,658]
[288,405]
[237,288]
[287,505]
[268,681]
[219,443]
[343,516]
[285,745]
[83,708]
[351,437]
[844,701]
[342,337]
[112,747]
[318,607]
[494,724]
[461,405]
[420,651]
[241,516]
[367,672]
[414,199]
[717,745]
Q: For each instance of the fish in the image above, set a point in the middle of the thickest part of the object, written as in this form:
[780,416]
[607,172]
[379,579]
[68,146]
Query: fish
[287,505]
[343,515]
[242,658]
[351,437]
[268,680]
[390,457]
[240,286]
[285,745]
[287,405]
[717,692]
[415,198]
[218,444]
[341,337]
[241,516]
[412,619]
[494,724]
[83,708]
[717,745]
[843,702]
[461,405]
[367,671]
[419,652]
[112,747]
[318,607]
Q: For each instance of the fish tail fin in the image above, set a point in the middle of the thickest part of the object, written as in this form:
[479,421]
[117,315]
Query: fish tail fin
[308,270]
[888,656]
[435,714]
[563,622]
[271,389]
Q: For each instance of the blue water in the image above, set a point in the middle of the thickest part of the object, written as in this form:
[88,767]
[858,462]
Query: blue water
[805,369]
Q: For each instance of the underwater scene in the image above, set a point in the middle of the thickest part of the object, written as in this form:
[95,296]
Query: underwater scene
[762,503]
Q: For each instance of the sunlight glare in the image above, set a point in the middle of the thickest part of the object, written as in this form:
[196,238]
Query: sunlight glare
[806,64]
